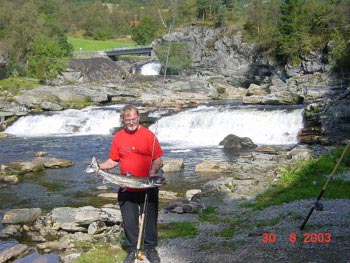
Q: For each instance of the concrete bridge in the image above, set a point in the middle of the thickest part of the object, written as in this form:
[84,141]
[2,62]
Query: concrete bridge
[113,54]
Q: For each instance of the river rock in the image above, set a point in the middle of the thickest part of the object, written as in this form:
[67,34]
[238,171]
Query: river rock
[172,165]
[3,135]
[25,167]
[183,205]
[54,246]
[8,178]
[191,193]
[277,98]
[167,195]
[10,231]
[235,143]
[84,215]
[212,167]
[69,227]
[52,162]
[40,154]
[277,85]
[227,91]
[21,216]
[257,90]
[96,227]
[12,252]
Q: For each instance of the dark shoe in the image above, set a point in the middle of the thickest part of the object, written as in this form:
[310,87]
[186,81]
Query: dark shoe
[130,258]
[152,255]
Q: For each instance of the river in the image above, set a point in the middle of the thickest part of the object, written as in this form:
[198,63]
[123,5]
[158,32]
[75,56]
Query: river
[193,135]
[77,135]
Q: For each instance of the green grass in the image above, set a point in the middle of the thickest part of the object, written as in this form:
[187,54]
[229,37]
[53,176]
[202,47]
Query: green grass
[210,215]
[102,254]
[305,180]
[15,85]
[80,44]
[180,229]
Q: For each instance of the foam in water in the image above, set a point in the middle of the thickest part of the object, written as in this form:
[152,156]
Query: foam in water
[202,126]
[91,120]
[152,68]
[207,126]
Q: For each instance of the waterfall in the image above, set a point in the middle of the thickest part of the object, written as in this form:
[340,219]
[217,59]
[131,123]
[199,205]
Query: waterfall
[91,120]
[207,126]
[201,126]
[152,68]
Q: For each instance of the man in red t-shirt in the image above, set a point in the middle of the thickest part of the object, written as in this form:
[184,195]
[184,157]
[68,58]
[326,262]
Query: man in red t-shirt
[137,151]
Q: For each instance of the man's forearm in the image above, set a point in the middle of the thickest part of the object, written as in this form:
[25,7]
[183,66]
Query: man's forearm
[156,165]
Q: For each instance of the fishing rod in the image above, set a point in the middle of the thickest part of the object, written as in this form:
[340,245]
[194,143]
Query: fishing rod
[138,254]
[317,205]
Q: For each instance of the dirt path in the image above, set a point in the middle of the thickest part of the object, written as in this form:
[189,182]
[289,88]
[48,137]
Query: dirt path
[269,235]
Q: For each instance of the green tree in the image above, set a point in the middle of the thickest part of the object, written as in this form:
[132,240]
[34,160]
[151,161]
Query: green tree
[340,53]
[177,57]
[96,22]
[145,32]
[46,59]
[292,31]
[23,33]
[221,16]
[20,33]
[261,24]
[186,11]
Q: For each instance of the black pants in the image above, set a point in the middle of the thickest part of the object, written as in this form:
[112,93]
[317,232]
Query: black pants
[131,206]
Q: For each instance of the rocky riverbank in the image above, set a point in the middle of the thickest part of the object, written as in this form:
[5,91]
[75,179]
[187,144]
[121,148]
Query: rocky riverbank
[226,70]
[62,229]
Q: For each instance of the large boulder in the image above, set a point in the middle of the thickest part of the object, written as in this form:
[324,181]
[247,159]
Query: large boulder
[97,69]
[235,143]
[226,55]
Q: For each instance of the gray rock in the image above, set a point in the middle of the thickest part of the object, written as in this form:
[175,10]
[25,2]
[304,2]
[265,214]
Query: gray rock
[21,216]
[84,215]
[278,98]
[212,167]
[235,143]
[172,165]
[13,252]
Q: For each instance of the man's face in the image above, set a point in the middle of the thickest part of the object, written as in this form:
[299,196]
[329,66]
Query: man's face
[131,120]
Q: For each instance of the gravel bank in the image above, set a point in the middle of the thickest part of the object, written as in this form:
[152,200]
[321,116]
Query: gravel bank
[326,237]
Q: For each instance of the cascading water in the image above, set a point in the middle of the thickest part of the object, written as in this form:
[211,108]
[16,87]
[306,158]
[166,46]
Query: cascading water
[151,69]
[91,120]
[207,126]
[201,126]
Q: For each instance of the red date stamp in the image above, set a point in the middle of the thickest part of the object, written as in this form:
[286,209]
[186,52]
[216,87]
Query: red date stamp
[306,238]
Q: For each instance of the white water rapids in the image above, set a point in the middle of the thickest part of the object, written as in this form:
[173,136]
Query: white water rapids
[151,69]
[201,126]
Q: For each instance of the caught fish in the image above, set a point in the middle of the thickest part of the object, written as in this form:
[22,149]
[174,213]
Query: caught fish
[125,181]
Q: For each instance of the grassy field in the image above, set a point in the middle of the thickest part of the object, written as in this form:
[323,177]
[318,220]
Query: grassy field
[80,44]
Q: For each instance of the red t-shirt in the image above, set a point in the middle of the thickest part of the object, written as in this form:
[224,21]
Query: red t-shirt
[133,151]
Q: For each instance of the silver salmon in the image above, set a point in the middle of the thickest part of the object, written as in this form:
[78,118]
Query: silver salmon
[125,181]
